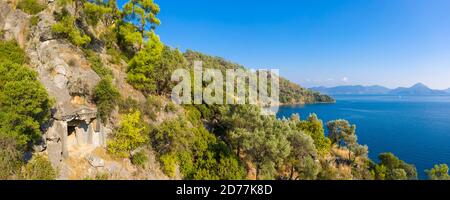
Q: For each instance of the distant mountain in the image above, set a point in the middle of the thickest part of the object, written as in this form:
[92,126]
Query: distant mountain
[353,89]
[417,89]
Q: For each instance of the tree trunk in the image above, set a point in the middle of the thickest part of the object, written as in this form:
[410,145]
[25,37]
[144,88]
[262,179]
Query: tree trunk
[238,152]
[257,172]
[292,173]
[142,29]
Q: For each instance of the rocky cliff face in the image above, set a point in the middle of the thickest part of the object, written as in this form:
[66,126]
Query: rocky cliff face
[74,139]
[14,24]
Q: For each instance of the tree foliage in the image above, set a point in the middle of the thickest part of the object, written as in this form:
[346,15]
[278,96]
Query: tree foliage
[144,13]
[106,97]
[131,135]
[11,51]
[439,172]
[202,142]
[67,28]
[242,122]
[129,38]
[95,11]
[344,134]
[171,60]
[24,102]
[314,128]
[97,65]
[38,168]
[341,132]
[10,158]
[268,147]
[141,68]
[184,142]
[139,159]
[302,157]
[31,7]
[392,168]
[290,93]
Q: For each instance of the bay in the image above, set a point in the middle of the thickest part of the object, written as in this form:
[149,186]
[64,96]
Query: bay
[415,128]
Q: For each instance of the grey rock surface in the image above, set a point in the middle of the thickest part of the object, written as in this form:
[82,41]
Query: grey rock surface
[95,161]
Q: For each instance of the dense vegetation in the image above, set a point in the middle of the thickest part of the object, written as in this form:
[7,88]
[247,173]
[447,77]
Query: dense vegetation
[24,102]
[209,142]
[290,93]
[439,172]
[237,138]
[392,168]
[24,107]
[106,97]
[31,7]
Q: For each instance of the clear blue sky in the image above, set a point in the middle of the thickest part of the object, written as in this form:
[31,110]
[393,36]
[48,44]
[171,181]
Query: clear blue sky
[320,42]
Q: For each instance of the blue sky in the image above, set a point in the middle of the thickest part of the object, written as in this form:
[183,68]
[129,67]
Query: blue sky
[320,42]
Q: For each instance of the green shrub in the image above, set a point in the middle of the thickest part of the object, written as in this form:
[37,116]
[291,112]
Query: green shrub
[39,168]
[62,3]
[115,54]
[34,20]
[60,15]
[313,127]
[171,107]
[97,65]
[141,73]
[128,105]
[106,97]
[31,7]
[169,164]
[153,106]
[128,36]
[229,168]
[139,159]
[396,169]
[186,163]
[24,103]
[154,103]
[109,37]
[10,50]
[94,12]
[10,158]
[193,114]
[206,112]
[100,176]
[197,152]
[172,136]
[439,172]
[67,29]
[131,135]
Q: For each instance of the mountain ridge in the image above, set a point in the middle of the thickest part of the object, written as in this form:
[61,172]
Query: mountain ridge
[417,89]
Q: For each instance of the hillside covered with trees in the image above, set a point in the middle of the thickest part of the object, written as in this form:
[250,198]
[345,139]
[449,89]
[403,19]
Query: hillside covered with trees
[149,133]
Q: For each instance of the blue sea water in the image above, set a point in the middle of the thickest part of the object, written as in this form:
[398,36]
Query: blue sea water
[415,128]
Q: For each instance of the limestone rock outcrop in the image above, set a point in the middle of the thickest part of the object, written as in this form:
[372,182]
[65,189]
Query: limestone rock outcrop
[74,131]
[15,24]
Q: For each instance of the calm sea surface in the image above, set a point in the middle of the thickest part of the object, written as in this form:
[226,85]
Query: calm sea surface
[416,129]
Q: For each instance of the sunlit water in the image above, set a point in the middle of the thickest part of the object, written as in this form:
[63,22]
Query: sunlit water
[416,129]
